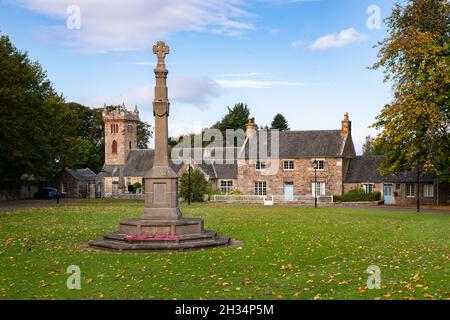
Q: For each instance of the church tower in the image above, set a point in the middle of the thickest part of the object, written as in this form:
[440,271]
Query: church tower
[120,133]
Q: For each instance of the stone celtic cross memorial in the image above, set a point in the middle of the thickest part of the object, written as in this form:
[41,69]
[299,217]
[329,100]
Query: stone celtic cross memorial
[162,226]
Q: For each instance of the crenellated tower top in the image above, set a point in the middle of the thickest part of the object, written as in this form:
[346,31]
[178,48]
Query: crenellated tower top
[120,112]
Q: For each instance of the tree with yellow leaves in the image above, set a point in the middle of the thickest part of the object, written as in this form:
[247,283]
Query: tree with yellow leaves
[415,59]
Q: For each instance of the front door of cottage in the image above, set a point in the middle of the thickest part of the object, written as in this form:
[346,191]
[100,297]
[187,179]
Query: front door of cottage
[388,199]
[288,191]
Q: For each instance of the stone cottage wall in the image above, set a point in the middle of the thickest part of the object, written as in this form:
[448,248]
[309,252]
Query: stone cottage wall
[302,176]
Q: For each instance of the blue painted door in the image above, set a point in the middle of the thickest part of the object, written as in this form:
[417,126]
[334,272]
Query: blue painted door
[388,197]
[288,191]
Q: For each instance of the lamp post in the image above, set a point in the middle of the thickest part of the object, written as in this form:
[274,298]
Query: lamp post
[315,183]
[57,161]
[189,183]
[418,184]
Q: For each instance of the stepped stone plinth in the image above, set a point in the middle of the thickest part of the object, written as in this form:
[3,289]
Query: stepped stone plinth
[161,226]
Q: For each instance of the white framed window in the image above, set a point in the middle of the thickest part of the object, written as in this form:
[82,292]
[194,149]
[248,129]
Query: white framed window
[260,188]
[410,190]
[260,165]
[64,187]
[320,164]
[226,186]
[318,189]
[288,165]
[368,187]
[428,190]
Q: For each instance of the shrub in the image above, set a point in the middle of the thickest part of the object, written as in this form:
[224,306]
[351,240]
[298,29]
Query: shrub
[356,191]
[235,192]
[358,195]
[199,186]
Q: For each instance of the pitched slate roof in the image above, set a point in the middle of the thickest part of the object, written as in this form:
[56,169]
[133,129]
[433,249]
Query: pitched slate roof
[299,144]
[367,169]
[318,143]
[208,169]
[226,171]
[82,174]
[138,163]
[110,171]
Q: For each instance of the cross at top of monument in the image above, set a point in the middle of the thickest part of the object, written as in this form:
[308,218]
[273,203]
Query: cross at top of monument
[161,50]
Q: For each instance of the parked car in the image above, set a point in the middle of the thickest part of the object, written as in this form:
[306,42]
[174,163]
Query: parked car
[46,193]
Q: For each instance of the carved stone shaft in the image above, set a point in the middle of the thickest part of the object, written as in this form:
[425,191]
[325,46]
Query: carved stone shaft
[161,182]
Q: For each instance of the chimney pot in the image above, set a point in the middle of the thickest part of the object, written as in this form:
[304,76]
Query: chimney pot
[251,127]
[346,128]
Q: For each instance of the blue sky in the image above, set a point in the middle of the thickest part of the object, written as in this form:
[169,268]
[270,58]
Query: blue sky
[305,59]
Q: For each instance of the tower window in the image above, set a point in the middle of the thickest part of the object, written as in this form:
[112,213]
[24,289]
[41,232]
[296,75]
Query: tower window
[114,128]
[129,145]
[114,147]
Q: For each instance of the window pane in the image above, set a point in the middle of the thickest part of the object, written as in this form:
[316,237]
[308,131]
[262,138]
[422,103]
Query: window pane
[288,165]
[226,185]
[428,190]
[368,187]
[319,189]
[321,165]
[260,188]
[260,165]
[410,190]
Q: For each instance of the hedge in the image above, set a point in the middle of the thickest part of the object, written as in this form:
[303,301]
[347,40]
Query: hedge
[358,197]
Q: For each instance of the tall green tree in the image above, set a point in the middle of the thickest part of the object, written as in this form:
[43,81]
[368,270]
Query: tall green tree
[89,127]
[415,59]
[236,118]
[279,122]
[27,100]
[144,134]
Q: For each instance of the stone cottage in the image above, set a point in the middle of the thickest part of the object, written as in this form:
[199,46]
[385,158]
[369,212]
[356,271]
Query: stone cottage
[293,166]
[77,183]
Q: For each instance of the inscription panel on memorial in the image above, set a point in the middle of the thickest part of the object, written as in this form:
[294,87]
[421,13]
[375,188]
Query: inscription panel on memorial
[159,193]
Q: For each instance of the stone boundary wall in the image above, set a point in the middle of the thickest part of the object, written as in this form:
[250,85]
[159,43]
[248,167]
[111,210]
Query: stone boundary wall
[300,203]
[25,192]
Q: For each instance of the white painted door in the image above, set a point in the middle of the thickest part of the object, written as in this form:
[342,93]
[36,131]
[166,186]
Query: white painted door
[288,191]
[388,199]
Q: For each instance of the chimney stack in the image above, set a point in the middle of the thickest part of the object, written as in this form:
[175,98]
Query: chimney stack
[346,129]
[251,128]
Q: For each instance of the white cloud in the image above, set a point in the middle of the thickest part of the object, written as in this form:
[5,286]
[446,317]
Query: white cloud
[191,91]
[135,24]
[145,63]
[195,91]
[244,75]
[261,84]
[337,40]
[296,44]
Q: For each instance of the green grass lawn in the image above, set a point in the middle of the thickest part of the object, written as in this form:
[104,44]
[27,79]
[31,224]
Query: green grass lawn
[288,253]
